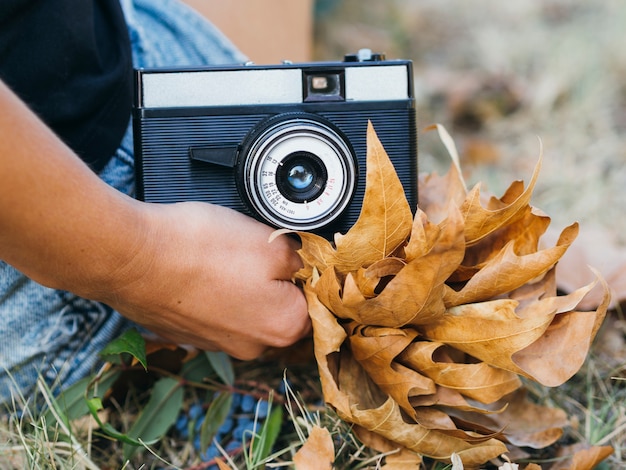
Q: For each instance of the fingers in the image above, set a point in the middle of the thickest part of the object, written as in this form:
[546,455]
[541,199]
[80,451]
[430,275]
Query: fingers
[294,322]
[288,324]
[285,260]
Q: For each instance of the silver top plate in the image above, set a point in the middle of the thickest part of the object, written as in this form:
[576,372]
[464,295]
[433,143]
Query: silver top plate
[265,86]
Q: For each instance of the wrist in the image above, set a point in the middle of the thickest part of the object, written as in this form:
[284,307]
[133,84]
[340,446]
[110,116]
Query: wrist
[121,254]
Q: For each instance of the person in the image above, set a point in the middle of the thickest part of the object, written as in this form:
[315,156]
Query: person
[82,260]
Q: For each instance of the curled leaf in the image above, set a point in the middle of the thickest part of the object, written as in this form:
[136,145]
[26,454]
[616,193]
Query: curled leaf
[481,221]
[477,381]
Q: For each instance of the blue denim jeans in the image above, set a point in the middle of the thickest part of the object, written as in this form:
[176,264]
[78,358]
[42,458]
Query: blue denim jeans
[55,334]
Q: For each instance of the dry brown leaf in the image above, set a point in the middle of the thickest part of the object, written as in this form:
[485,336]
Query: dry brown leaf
[489,331]
[497,333]
[507,271]
[522,422]
[317,453]
[403,459]
[523,233]
[315,253]
[481,221]
[328,338]
[345,387]
[557,355]
[413,296]
[544,286]
[422,325]
[369,280]
[479,381]
[222,465]
[375,349]
[581,457]
[561,351]
[594,246]
[417,302]
[387,420]
[446,397]
[437,193]
[386,218]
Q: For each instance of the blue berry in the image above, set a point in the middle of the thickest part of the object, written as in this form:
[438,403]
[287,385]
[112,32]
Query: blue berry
[182,426]
[243,424]
[195,411]
[232,446]
[282,386]
[181,422]
[247,403]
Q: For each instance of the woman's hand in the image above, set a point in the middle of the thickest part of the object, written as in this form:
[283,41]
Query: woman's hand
[208,276]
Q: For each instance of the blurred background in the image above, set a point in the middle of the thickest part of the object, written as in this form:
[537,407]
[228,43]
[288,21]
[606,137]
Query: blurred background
[500,76]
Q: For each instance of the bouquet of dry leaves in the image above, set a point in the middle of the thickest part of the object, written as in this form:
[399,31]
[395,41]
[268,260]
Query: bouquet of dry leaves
[426,323]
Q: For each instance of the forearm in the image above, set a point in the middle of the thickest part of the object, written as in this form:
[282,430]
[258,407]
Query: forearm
[55,215]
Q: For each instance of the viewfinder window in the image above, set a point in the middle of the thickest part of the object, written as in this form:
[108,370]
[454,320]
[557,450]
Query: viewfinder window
[324,86]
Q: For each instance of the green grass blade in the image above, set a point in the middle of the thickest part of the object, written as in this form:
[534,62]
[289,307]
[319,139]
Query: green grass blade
[263,443]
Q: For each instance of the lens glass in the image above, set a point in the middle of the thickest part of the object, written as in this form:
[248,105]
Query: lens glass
[301,177]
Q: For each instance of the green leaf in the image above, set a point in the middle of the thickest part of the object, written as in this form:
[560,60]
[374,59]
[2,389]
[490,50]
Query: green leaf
[223,366]
[197,369]
[215,417]
[159,414]
[130,342]
[71,402]
[263,444]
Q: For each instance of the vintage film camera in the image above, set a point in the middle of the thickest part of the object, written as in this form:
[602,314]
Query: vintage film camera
[283,143]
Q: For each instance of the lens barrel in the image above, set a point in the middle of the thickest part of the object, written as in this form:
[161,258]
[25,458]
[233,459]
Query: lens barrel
[297,172]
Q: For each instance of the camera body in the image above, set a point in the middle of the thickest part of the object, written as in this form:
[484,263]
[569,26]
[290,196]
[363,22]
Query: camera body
[283,143]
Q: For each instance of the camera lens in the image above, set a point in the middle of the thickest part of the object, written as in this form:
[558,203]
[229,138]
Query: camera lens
[301,177]
[297,171]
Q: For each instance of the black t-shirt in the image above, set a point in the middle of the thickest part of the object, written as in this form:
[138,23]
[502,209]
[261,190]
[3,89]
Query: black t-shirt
[70,61]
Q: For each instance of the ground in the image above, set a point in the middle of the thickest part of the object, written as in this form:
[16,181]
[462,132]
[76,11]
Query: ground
[508,79]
